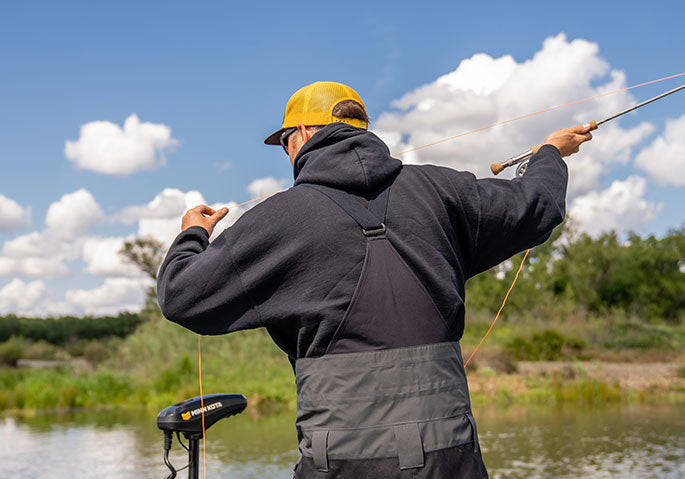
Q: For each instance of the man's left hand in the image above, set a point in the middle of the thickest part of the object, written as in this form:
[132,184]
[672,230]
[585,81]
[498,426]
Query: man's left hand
[204,216]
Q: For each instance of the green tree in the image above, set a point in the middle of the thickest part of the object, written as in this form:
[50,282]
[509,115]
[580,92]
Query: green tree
[147,254]
[641,276]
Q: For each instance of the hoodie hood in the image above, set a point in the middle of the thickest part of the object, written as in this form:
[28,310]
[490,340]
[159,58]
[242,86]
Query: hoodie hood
[344,157]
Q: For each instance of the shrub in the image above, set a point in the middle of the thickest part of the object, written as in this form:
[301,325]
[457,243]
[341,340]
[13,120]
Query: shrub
[11,351]
[550,345]
[639,335]
[95,351]
[40,350]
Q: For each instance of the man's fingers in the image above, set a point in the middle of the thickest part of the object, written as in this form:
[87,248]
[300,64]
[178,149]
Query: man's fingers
[580,128]
[203,210]
[218,215]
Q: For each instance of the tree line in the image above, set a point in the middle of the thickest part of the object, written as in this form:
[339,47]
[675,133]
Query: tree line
[60,331]
[643,277]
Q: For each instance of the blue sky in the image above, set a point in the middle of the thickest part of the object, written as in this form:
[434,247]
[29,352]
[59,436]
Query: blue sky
[217,77]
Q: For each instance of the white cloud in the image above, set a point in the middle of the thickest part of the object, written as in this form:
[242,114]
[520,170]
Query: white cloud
[485,90]
[34,267]
[620,208]
[30,244]
[13,216]
[36,299]
[45,253]
[170,203]
[23,298]
[73,214]
[102,257]
[265,186]
[664,159]
[113,296]
[107,148]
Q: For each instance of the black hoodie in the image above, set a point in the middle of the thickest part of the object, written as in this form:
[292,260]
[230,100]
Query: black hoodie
[292,262]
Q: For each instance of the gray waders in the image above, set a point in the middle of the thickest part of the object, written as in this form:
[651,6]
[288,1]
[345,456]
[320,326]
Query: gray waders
[389,398]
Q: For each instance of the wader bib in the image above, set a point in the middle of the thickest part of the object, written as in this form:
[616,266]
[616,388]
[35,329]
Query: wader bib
[389,398]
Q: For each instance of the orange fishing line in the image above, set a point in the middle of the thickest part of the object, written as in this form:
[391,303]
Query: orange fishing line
[500,308]
[504,123]
[535,113]
[202,409]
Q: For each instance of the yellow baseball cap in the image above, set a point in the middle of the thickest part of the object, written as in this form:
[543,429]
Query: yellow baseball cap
[313,105]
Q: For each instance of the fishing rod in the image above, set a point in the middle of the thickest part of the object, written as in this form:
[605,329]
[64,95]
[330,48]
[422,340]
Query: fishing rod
[524,158]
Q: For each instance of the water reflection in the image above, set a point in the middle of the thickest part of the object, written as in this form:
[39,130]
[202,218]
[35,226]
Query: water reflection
[623,442]
[640,442]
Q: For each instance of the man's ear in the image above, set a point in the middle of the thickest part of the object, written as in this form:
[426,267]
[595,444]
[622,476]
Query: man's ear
[305,133]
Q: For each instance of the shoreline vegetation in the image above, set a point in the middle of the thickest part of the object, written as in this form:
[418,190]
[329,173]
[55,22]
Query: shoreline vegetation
[590,322]
[156,366]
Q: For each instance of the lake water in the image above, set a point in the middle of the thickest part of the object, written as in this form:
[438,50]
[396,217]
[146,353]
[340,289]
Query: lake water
[539,442]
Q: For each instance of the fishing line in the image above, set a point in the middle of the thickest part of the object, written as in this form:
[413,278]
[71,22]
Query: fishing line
[535,113]
[500,308]
[202,408]
[504,123]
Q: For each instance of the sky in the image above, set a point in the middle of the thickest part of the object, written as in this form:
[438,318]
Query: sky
[117,117]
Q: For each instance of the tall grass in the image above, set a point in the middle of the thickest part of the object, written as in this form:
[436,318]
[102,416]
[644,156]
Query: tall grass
[161,359]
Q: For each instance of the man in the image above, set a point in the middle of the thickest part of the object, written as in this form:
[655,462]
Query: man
[357,273]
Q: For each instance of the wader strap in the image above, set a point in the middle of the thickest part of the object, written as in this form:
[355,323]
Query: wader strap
[319,450]
[379,205]
[469,415]
[409,445]
[371,220]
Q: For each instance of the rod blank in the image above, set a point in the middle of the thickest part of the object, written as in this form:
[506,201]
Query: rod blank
[497,168]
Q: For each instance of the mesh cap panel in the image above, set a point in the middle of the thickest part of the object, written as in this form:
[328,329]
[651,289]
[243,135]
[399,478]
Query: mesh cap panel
[313,105]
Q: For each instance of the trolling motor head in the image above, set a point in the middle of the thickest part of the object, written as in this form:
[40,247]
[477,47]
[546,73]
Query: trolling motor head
[186,417]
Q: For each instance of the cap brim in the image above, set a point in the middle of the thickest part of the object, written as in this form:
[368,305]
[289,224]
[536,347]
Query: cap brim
[274,138]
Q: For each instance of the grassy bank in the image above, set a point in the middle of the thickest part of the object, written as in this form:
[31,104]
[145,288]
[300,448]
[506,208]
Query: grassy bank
[157,366]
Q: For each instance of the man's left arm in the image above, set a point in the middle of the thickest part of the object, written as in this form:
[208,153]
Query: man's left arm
[521,213]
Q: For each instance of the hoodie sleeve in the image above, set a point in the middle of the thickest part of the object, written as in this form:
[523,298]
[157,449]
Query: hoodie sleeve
[199,286]
[521,213]
[497,218]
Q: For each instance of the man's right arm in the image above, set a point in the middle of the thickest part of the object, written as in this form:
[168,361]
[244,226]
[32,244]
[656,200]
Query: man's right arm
[199,287]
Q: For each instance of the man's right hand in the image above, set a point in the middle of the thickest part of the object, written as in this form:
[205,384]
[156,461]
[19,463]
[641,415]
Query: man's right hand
[568,140]
[204,216]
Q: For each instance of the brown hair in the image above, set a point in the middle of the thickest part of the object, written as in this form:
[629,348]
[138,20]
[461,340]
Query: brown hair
[350,109]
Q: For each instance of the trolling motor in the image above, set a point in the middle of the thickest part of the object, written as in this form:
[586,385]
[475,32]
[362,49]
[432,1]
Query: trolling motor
[186,417]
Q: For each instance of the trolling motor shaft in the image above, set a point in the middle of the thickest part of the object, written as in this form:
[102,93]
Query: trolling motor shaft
[523,158]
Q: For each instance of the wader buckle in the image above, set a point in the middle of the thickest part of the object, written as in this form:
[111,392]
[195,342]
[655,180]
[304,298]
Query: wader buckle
[375,232]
